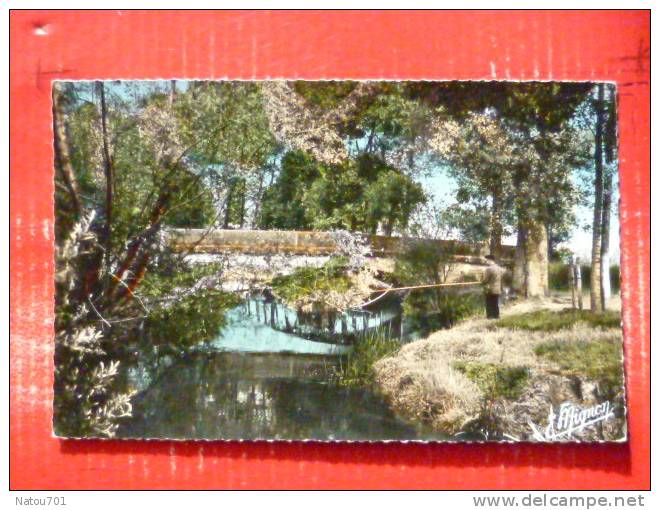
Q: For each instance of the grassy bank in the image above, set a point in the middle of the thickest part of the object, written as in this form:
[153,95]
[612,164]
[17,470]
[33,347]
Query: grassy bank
[493,377]
[550,320]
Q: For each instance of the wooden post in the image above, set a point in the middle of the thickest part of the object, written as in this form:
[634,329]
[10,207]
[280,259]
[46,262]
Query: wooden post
[571,280]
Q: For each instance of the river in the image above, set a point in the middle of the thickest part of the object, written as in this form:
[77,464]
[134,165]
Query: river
[256,381]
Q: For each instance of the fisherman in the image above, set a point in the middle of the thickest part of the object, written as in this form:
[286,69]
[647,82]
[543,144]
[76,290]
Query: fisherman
[492,283]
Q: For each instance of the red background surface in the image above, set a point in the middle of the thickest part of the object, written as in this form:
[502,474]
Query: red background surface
[555,45]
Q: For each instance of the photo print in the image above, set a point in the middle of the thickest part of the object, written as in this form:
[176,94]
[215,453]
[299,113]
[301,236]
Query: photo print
[337,261]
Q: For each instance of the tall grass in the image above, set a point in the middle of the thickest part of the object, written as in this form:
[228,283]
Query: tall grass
[356,368]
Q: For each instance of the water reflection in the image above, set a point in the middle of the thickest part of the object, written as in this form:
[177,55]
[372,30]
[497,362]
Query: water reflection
[260,396]
[262,324]
[258,326]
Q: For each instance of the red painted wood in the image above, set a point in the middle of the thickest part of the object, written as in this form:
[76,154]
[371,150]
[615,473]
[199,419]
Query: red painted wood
[412,45]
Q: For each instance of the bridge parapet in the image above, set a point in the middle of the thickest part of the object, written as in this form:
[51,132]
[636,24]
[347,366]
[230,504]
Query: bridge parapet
[267,242]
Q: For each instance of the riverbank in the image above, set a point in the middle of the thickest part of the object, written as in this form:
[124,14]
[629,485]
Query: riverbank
[494,378]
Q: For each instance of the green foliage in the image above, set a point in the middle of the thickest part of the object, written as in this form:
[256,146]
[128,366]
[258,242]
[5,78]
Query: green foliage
[283,203]
[172,275]
[423,263]
[194,318]
[382,122]
[430,309]
[391,199]
[436,308]
[559,276]
[324,95]
[306,281]
[470,277]
[225,125]
[615,278]
[356,368]
[495,381]
[546,104]
[547,320]
[194,208]
[358,195]
[162,149]
[471,222]
[598,360]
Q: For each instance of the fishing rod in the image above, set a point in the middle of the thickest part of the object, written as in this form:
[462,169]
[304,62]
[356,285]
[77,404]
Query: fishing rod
[435,285]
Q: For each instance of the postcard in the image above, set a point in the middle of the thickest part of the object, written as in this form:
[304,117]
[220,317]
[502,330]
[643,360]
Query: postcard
[337,261]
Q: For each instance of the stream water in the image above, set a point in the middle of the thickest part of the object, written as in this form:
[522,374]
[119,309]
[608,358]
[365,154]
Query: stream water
[264,377]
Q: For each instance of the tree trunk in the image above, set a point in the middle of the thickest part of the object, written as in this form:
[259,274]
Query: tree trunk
[578,282]
[496,226]
[241,211]
[551,242]
[606,289]
[172,92]
[536,261]
[257,206]
[596,268]
[530,271]
[228,206]
[108,170]
[62,153]
[572,281]
[388,227]
[519,261]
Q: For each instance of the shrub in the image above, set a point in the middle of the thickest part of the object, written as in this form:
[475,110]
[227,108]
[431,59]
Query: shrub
[559,276]
[495,381]
[469,277]
[423,263]
[436,308]
[306,281]
[547,320]
[194,318]
[356,369]
[615,278]
[433,309]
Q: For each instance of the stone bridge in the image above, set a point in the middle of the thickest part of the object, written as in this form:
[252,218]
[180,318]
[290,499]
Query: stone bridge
[265,242]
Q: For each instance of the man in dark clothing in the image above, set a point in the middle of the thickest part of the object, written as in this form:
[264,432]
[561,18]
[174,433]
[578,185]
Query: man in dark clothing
[493,287]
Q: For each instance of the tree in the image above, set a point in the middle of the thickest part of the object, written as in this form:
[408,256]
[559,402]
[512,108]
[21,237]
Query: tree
[390,201]
[480,155]
[597,232]
[522,175]
[333,119]
[610,149]
[130,158]
[532,114]
[360,194]
[226,126]
[283,201]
